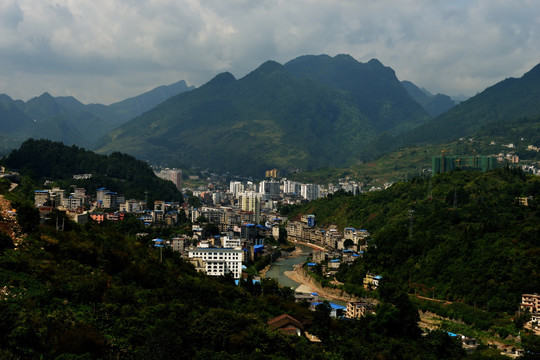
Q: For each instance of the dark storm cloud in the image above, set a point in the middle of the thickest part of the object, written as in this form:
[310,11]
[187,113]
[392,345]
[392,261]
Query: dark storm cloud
[103,51]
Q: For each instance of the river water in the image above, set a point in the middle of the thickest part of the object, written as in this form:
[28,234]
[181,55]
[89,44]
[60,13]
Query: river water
[278,268]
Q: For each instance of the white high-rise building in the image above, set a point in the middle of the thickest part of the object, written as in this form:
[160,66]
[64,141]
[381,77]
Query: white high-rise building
[269,187]
[236,187]
[290,187]
[218,261]
[309,191]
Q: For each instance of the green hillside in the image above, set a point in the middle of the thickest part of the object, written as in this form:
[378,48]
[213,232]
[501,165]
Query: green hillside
[375,88]
[505,101]
[462,235]
[412,161]
[44,159]
[273,117]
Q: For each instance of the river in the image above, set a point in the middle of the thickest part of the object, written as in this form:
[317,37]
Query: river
[278,268]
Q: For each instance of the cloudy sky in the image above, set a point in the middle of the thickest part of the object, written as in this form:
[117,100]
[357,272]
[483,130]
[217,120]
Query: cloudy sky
[108,50]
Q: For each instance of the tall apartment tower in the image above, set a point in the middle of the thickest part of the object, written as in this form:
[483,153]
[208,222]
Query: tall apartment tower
[309,191]
[269,187]
[174,175]
[236,187]
[251,201]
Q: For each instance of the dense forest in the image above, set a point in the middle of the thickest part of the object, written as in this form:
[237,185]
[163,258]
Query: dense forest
[48,160]
[461,236]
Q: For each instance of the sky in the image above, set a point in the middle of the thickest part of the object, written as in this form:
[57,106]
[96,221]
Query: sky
[103,51]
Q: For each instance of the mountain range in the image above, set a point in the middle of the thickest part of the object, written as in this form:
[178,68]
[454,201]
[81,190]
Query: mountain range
[310,112]
[68,120]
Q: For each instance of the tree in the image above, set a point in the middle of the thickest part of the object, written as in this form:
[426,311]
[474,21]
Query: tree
[28,217]
[5,242]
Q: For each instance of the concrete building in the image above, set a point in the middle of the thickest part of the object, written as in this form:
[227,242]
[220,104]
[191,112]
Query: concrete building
[251,201]
[236,188]
[174,175]
[309,191]
[79,192]
[218,261]
[291,187]
[100,193]
[531,303]
[73,203]
[178,244]
[130,206]
[110,200]
[274,173]
[269,188]
[41,198]
[359,309]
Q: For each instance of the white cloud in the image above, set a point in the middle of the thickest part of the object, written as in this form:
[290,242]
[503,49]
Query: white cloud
[103,51]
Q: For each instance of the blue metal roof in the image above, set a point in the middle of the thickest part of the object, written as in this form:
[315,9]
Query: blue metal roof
[332,305]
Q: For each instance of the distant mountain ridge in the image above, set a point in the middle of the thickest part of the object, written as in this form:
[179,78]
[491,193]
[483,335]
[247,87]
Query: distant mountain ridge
[311,112]
[433,104]
[505,101]
[68,120]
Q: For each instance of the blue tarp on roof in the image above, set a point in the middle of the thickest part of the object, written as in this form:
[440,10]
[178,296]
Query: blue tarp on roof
[356,255]
[335,260]
[378,277]
[314,294]
[332,306]
[311,264]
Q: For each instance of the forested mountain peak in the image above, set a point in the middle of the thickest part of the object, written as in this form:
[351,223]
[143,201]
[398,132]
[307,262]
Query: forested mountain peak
[221,79]
[307,113]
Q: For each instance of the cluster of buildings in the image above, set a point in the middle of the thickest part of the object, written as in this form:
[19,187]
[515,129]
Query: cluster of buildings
[218,255]
[441,164]
[530,303]
[267,194]
[306,231]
